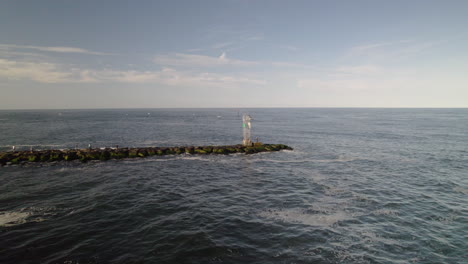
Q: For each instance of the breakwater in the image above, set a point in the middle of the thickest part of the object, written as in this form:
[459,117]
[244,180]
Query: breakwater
[83,155]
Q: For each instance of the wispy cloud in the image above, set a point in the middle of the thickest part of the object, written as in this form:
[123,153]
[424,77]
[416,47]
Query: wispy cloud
[359,70]
[390,51]
[372,46]
[365,78]
[288,47]
[193,60]
[39,72]
[344,85]
[222,45]
[52,49]
[223,39]
[289,65]
[54,73]
[4,53]
[203,61]
[174,77]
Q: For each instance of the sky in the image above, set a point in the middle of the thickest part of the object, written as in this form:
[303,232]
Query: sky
[233,53]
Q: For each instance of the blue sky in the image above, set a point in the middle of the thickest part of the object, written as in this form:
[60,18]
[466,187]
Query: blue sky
[238,53]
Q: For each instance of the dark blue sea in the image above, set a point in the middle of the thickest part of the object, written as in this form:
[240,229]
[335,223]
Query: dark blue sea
[360,186]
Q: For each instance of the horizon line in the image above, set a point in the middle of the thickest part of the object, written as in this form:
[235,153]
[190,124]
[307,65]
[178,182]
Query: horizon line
[267,107]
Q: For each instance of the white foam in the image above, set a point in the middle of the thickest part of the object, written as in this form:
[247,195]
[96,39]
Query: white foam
[161,160]
[153,142]
[385,212]
[309,160]
[148,160]
[333,190]
[360,197]
[339,159]
[190,157]
[13,218]
[371,237]
[299,216]
[25,215]
[460,190]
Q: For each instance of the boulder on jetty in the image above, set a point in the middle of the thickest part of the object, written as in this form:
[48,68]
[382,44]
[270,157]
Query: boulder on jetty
[16,157]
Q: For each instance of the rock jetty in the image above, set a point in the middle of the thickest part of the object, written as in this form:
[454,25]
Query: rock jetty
[83,155]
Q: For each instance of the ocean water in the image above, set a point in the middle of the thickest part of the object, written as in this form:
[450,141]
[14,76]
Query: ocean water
[361,186]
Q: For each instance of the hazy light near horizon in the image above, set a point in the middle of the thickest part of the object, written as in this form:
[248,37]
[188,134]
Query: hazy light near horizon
[233,54]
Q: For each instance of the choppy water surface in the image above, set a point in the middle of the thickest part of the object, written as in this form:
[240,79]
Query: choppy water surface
[361,186]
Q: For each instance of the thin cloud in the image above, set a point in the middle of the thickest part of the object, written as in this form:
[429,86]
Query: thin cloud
[193,60]
[57,49]
[385,51]
[4,53]
[373,46]
[359,70]
[336,85]
[283,64]
[222,45]
[54,73]
[39,72]
[288,47]
[174,77]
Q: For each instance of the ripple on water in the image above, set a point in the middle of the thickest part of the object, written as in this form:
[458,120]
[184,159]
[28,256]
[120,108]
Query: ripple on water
[359,196]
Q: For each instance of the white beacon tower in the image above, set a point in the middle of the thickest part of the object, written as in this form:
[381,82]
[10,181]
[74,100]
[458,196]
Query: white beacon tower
[246,125]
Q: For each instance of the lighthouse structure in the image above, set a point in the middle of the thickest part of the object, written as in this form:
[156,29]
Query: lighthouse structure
[246,125]
[106,153]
